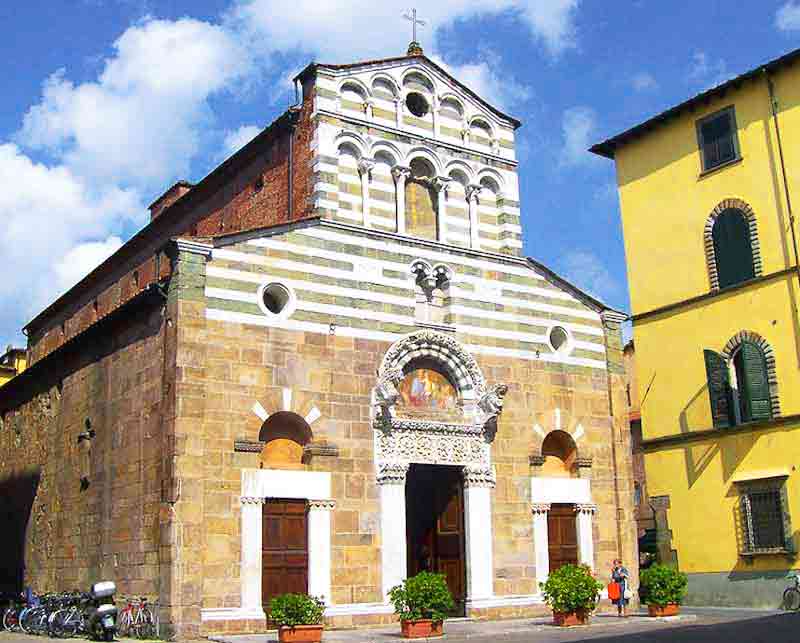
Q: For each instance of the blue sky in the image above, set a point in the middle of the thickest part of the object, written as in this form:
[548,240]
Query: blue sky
[107,102]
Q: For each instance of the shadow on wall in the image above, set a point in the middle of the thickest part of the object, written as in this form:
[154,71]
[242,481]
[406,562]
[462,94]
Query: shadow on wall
[17,493]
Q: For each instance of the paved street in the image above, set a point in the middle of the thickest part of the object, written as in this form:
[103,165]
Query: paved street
[708,625]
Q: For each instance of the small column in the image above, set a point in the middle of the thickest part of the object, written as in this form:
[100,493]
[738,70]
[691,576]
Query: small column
[369,105]
[439,184]
[473,191]
[435,114]
[478,485]
[399,111]
[319,548]
[541,542]
[365,170]
[251,555]
[583,516]
[391,480]
[400,175]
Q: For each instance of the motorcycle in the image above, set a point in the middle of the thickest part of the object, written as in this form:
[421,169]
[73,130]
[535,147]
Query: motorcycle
[101,614]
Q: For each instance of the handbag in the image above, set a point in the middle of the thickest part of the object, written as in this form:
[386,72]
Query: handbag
[628,594]
[613,591]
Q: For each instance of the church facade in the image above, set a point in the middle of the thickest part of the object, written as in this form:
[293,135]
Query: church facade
[324,368]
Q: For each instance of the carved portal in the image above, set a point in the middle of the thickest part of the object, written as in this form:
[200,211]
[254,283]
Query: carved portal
[401,441]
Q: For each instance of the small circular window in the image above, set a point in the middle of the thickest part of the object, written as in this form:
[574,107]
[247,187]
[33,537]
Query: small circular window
[559,338]
[277,300]
[417,105]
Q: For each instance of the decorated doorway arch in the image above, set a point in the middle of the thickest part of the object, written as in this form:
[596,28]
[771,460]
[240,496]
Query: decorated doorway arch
[456,430]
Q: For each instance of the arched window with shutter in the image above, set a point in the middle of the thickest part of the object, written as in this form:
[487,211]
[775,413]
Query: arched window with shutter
[751,383]
[741,381]
[733,250]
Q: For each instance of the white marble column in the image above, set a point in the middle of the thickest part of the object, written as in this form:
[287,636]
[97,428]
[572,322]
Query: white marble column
[478,485]
[251,556]
[440,185]
[541,542]
[400,175]
[473,191]
[399,102]
[365,170]
[391,480]
[583,517]
[319,548]
[435,114]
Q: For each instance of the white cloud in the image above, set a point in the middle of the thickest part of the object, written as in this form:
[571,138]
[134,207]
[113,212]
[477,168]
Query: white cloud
[787,18]
[706,72]
[140,123]
[587,271]
[351,29]
[82,259]
[578,126]
[46,212]
[644,81]
[488,80]
[238,138]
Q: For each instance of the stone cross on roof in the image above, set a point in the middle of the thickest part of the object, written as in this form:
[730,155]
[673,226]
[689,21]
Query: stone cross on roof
[414,49]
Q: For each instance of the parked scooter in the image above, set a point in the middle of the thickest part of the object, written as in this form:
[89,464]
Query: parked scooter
[101,613]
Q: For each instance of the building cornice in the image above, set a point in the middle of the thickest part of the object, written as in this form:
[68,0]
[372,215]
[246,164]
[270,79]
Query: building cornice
[714,294]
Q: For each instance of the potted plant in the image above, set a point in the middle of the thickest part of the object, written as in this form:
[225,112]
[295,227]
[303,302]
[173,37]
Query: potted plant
[663,589]
[572,592]
[298,616]
[422,602]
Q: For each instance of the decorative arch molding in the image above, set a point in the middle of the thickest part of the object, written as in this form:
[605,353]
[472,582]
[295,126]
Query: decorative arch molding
[388,79]
[426,153]
[769,357]
[493,175]
[416,69]
[356,83]
[466,443]
[351,138]
[387,148]
[708,239]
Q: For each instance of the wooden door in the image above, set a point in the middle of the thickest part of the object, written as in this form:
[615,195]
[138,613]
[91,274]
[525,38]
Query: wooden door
[562,534]
[448,548]
[284,549]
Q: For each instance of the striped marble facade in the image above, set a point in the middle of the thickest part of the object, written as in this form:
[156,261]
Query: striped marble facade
[364,126]
[359,282]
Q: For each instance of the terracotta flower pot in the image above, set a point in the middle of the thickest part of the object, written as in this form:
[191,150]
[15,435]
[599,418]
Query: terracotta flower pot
[568,619]
[671,609]
[300,634]
[421,629]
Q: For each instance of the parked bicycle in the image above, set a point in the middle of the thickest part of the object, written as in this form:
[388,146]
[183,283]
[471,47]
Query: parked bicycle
[137,619]
[791,595]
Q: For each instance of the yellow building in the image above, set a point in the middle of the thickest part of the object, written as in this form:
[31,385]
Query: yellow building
[706,190]
[12,363]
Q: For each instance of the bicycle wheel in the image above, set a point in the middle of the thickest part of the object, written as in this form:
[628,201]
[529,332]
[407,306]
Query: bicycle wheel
[25,619]
[791,599]
[11,619]
[147,624]
[124,623]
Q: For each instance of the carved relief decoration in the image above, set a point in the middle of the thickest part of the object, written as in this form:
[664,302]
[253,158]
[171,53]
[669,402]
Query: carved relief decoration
[403,441]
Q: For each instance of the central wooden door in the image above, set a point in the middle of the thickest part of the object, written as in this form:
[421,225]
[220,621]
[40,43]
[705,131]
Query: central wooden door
[284,549]
[435,526]
[562,534]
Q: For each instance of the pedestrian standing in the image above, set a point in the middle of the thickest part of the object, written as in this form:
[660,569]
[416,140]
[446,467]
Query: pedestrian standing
[620,575]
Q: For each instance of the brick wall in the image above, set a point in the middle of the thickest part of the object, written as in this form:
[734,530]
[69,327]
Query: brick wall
[111,529]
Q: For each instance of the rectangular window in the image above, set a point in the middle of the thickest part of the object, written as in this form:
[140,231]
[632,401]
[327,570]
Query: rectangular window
[764,517]
[716,136]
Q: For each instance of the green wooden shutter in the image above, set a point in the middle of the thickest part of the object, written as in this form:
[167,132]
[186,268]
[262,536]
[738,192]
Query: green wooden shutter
[719,390]
[755,388]
[732,248]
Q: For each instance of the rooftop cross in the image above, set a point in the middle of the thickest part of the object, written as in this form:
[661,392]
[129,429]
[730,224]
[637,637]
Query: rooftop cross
[411,16]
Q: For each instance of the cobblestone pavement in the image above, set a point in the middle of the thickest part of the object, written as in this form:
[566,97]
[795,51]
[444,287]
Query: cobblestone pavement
[700,624]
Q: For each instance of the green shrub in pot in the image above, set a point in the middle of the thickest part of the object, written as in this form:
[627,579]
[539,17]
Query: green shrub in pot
[422,597]
[572,588]
[662,585]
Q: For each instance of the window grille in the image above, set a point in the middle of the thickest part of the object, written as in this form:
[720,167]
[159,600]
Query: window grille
[765,521]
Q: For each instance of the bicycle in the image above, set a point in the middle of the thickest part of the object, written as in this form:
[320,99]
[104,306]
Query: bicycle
[137,618]
[791,595]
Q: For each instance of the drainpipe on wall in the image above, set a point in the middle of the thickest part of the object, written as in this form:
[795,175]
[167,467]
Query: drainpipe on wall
[774,109]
